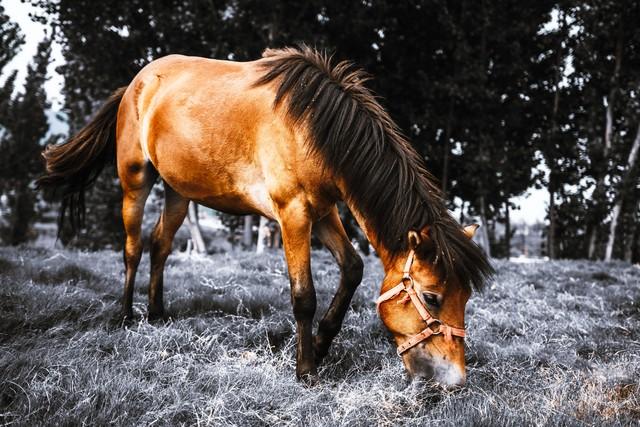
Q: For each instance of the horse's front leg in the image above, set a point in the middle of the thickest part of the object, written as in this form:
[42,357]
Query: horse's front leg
[296,236]
[332,234]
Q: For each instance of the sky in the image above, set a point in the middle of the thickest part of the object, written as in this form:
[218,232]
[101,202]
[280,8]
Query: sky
[533,204]
[33,33]
[533,207]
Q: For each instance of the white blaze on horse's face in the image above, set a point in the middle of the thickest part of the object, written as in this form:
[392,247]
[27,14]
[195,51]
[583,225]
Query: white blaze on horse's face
[426,316]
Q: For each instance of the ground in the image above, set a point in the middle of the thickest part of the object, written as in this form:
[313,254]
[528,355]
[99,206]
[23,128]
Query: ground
[552,343]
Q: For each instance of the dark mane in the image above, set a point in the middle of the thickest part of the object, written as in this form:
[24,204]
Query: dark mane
[386,178]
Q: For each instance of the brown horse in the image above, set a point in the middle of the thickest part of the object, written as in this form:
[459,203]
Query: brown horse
[286,137]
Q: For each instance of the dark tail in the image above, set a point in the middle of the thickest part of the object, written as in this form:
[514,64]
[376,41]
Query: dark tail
[75,164]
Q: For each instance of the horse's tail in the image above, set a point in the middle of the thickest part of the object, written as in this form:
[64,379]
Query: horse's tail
[71,167]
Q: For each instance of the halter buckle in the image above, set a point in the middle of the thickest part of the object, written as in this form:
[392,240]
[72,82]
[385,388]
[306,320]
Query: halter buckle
[438,329]
[407,281]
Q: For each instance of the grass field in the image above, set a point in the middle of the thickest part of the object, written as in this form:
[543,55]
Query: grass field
[554,343]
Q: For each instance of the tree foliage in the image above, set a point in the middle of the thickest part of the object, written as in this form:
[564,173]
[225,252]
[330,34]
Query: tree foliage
[24,125]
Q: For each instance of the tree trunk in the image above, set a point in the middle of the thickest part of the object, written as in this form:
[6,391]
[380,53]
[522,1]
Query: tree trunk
[631,237]
[608,139]
[484,229]
[593,240]
[22,215]
[615,215]
[247,234]
[507,231]
[276,240]
[263,234]
[617,208]
[447,147]
[613,89]
[193,223]
[551,235]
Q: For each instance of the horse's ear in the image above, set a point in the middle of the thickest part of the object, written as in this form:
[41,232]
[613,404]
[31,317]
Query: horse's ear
[414,239]
[470,230]
[417,238]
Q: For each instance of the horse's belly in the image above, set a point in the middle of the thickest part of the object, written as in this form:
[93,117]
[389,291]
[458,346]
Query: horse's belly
[215,186]
[252,200]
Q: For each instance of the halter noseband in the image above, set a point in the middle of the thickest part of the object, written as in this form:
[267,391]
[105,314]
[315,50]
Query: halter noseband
[406,285]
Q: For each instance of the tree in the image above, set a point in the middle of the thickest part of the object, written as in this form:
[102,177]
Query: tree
[606,63]
[615,20]
[11,39]
[26,125]
[626,181]
[493,151]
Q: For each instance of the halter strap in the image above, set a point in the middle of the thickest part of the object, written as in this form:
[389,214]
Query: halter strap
[406,285]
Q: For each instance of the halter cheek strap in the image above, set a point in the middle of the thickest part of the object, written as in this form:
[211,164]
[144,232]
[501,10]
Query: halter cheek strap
[407,285]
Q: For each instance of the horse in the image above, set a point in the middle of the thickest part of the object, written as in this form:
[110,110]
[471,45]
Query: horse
[287,136]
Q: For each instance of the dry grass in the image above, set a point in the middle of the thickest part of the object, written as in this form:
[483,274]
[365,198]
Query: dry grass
[550,344]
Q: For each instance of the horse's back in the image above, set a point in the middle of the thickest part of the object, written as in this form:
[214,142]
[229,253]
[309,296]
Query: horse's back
[214,136]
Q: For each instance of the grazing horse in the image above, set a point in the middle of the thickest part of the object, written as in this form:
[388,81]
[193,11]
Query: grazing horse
[286,137]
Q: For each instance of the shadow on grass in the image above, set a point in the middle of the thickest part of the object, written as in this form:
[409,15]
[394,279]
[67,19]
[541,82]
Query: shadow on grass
[64,275]
[60,321]
[218,305]
[6,266]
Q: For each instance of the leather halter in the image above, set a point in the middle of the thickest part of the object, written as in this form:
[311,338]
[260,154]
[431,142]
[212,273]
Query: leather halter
[406,285]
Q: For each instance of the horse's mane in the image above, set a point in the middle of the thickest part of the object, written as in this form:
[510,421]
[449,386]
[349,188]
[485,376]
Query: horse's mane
[386,179]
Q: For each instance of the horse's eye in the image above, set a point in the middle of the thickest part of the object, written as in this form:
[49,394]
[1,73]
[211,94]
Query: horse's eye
[431,299]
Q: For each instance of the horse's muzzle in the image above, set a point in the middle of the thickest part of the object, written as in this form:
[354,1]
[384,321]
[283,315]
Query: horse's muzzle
[446,374]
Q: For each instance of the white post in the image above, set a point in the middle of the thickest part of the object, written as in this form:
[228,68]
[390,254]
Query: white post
[194,228]
[263,234]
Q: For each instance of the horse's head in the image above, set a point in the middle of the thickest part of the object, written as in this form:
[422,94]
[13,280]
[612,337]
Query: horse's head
[425,312]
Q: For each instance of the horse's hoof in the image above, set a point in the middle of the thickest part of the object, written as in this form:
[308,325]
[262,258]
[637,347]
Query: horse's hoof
[127,318]
[310,380]
[308,376]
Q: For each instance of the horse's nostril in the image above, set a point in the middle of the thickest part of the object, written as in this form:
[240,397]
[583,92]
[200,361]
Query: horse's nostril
[424,370]
[420,367]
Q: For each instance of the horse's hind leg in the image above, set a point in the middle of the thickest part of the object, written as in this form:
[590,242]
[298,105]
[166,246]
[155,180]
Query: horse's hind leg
[175,209]
[137,179]
[331,232]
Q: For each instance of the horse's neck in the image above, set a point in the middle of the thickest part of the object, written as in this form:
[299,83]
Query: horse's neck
[386,256]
